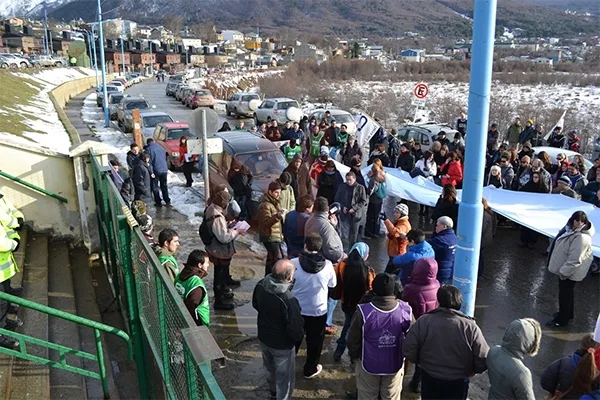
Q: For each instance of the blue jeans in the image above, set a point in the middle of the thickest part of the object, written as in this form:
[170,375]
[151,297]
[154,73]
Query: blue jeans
[280,366]
[331,304]
[161,180]
[341,342]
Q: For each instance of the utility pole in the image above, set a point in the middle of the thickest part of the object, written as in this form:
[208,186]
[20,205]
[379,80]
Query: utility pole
[123,46]
[103,64]
[470,212]
[94,53]
[260,47]
[46,47]
[151,63]
[88,34]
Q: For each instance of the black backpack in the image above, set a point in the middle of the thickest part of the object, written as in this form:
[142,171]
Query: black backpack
[205,231]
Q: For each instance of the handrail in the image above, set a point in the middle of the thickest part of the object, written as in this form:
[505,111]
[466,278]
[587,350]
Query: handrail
[32,186]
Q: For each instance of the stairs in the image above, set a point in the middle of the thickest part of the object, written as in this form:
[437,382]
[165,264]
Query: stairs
[48,269]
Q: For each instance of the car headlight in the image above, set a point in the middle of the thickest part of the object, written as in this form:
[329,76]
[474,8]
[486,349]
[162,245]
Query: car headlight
[256,195]
[175,154]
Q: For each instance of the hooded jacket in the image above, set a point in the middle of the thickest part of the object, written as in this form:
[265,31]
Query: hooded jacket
[269,222]
[509,377]
[444,246]
[313,278]
[396,245]
[141,180]
[559,375]
[280,324]
[318,224]
[508,174]
[406,261]
[571,255]
[329,183]
[300,180]
[421,292]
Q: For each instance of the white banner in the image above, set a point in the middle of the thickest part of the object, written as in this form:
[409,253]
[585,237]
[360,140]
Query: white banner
[561,123]
[366,127]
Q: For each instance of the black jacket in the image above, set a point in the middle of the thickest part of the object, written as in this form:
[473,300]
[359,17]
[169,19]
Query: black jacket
[406,161]
[360,179]
[131,159]
[141,181]
[557,141]
[329,184]
[312,263]
[445,208]
[280,324]
[241,183]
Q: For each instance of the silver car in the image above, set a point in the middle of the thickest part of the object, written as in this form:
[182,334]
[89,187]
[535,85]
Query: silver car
[152,118]
[113,103]
[126,107]
[239,104]
[341,117]
[274,109]
[425,133]
[14,59]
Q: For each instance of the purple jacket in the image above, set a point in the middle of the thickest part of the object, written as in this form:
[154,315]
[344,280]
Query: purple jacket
[421,293]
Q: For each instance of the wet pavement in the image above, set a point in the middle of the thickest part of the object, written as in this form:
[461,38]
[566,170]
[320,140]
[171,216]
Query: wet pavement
[515,284]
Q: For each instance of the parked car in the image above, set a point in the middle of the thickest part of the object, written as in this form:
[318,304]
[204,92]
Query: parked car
[238,104]
[273,109]
[7,62]
[126,107]
[200,98]
[553,152]
[179,89]
[19,61]
[134,77]
[188,91]
[119,84]
[100,93]
[340,116]
[113,103]
[49,61]
[260,155]
[424,133]
[152,118]
[172,84]
[167,135]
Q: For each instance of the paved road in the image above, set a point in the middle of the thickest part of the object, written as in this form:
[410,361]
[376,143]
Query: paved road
[514,284]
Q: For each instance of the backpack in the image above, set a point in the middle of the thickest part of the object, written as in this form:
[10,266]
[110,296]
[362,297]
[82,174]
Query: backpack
[205,231]
[393,147]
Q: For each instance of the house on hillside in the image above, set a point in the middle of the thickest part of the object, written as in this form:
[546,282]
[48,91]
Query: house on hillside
[233,36]
[144,31]
[188,42]
[412,55]
[373,53]
[24,41]
[307,51]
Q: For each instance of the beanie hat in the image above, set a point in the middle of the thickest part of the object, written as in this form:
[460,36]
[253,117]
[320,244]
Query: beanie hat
[565,180]
[362,248]
[384,285]
[145,222]
[530,121]
[222,199]
[402,209]
[324,150]
[138,208]
[527,144]
[285,178]
[274,186]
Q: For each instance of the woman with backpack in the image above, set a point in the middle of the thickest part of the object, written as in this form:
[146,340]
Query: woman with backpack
[377,191]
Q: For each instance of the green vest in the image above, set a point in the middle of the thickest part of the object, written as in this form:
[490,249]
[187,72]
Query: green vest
[290,153]
[315,143]
[8,266]
[185,287]
[341,139]
[172,266]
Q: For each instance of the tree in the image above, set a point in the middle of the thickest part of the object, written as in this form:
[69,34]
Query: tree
[355,52]
[174,23]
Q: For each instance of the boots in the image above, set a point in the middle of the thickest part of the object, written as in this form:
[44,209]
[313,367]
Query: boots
[222,295]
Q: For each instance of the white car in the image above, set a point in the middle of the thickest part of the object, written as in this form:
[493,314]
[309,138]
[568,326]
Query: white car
[341,117]
[274,109]
[425,133]
[14,59]
[239,104]
[553,152]
[119,85]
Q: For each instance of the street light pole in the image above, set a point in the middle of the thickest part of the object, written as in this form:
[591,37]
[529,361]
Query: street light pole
[151,63]
[94,53]
[88,34]
[470,212]
[102,61]
[123,46]
[46,47]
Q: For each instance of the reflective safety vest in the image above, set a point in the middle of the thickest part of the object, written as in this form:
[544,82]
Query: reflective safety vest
[12,220]
[184,288]
[315,143]
[8,266]
[9,224]
[169,262]
[290,152]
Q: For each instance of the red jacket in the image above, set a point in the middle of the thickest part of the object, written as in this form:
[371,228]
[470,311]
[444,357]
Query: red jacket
[454,172]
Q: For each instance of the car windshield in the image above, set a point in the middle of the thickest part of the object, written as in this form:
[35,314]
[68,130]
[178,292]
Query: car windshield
[136,104]
[153,120]
[115,99]
[111,89]
[266,162]
[343,118]
[284,105]
[250,97]
[117,83]
[176,78]
[202,93]
[177,133]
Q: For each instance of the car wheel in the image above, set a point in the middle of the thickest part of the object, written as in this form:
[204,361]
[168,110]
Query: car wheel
[4,65]
[58,64]
[23,65]
[227,112]
[14,65]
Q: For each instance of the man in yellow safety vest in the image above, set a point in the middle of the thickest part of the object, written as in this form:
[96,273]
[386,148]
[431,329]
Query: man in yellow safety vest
[12,220]
[8,268]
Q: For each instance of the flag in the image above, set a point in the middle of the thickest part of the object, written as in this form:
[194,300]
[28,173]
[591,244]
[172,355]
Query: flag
[366,127]
[561,123]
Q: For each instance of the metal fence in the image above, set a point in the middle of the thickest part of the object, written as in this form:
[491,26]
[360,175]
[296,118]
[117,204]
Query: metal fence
[164,334]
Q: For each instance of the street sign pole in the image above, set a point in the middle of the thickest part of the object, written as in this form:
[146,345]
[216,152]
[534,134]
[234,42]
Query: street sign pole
[203,130]
[103,64]
[470,211]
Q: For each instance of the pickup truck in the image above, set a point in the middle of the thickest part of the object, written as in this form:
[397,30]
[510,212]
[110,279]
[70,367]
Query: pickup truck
[49,61]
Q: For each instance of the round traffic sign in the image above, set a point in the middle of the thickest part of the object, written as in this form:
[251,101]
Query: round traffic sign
[421,91]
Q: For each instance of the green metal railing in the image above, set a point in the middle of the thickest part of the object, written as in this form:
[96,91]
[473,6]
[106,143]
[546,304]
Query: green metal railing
[64,351]
[32,186]
[165,338]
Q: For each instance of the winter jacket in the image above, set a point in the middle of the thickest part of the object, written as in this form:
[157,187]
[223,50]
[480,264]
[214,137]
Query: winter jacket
[567,192]
[509,377]
[591,174]
[293,231]
[405,263]
[447,344]
[444,246]
[168,261]
[589,191]
[525,177]
[571,255]
[427,168]
[377,191]
[457,146]
[537,139]
[348,152]
[241,183]
[273,133]
[269,221]
[578,182]
[513,134]
[492,138]
[421,292]
[488,229]
[446,208]
[142,181]
[318,224]
[527,135]
[300,180]
[222,244]
[159,158]
[559,375]
[406,161]
[417,154]
[491,180]
[396,245]
[557,141]
[339,269]
[508,175]
[360,179]
[127,191]
[328,184]
[455,174]
[280,324]
[130,159]
[287,201]
[353,198]
[590,396]
[315,171]
[385,160]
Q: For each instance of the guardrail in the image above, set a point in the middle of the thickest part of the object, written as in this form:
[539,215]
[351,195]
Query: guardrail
[32,186]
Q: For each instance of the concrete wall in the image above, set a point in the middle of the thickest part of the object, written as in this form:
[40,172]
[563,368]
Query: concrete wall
[51,171]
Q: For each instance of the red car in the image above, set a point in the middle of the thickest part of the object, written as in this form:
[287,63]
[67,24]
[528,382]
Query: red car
[167,135]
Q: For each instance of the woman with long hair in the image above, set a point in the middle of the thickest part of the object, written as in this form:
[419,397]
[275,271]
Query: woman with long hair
[447,205]
[579,160]
[570,258]
[377,191]
[452,170]
[536,184]
[186,160]
[494,177]
[562,169]
[559,377]
[427,168]
[354,278]
[548,164]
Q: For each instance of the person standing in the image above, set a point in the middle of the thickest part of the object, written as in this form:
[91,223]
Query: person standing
[291,149]
[329,181]
[509,377]
[417,248]
[514,132]
[186,160]
[452,171]
[160,171]
[314,277]
[376,338]
[396,233]
[240,179]
[270,214]
[298,170]
[8,245]
[350,150]
[287,201]
[294,224]
[406,159]
[13,222]
[190,285]
[557,138]
[461,124]
[132,154]
[377,191]
[141,178]
[444,243]
[393,148]
[353,200]
[379,154]
[280,327]
[527,134]
[315,140]
[448,346]
[570,258]
[168,243]
[447,205]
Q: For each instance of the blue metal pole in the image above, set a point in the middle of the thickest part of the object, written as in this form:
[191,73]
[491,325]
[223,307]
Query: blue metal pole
[46,47]
[94,53]
[151,63]
[123,46]
[102,61]
[470,212]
